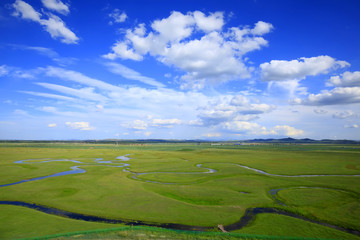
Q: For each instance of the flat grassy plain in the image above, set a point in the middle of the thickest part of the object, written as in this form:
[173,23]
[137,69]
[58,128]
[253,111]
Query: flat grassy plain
[164,184]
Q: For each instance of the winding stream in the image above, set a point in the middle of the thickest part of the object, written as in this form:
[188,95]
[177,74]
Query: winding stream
[249,216]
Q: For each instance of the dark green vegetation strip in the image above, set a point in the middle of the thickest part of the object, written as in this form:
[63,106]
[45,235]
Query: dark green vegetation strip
[142,232]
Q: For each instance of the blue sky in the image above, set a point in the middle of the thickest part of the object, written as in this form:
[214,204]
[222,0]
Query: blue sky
[179,69]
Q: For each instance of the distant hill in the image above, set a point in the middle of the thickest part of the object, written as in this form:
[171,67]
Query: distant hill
[303,141]
[154,141]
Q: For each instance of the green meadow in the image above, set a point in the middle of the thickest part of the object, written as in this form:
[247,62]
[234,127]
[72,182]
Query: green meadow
[165,184]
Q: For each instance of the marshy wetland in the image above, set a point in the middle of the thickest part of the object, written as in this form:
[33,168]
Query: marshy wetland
[278,190]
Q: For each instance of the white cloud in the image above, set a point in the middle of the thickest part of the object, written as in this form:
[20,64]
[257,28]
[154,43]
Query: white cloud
[320,111]
[249,128]
[230,108]
[56,5]
[136,124]
[77,77]
[210,56]
[132,74]
[212,135]
[261,28]
[58,30]
[84,93]
[121,50]
[3,70]
[117,16]
[174,28]
[53,25]
[344,114]
[288,131]
[352,126]
[21,112]
[336,96]
[48,95]
[213,22]
[167,123]
[347,79]
[26,11]
[51,125]
[85,126]
[147,133]
[281,70]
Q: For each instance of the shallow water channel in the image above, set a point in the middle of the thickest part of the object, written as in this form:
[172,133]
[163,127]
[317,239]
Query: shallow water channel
[249,215]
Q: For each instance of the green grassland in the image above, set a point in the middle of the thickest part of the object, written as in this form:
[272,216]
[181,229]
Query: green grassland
[192,197]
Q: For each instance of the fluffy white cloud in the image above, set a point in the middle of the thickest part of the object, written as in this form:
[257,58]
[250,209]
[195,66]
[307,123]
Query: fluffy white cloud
[25,11]
[53,25]
[121,50]
[57,6]
[51,125]
[281,70]
[131,74]
[136,124]
[347,79]
[58,30]
[249,128]
[85,126]
[213,22]
[230,108]
[336,96]
[167,123]
[117,16]
[174,28]
[261,28]
[288,131]
[196,44]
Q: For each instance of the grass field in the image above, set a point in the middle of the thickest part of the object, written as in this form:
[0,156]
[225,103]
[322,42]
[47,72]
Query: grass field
[183,193]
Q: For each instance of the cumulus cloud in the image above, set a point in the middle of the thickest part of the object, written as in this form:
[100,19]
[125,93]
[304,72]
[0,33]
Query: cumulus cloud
[230,108]
[53,25]
[136,124]
[213,22]
[85,126]
[288,131]
[57,6]
[250,128]
[336,96]
[281,70]
[117,16]
[51,125]
[26,11]
[347,79]
[167,123]
[196,44]
[132,74]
